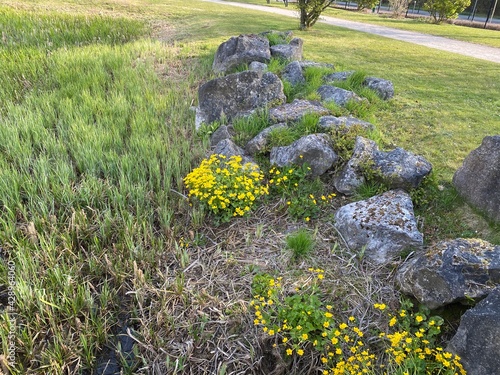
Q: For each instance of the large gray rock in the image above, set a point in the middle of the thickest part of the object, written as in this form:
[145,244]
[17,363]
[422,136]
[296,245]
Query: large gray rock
[293,74]
[343,123]
[222,132]
[228,148]
[294,111]
[313,149]
[478,179]
[237,95]
[290,51]
[396,169]
[260,141]
[476,340]
[351,177]
[383,87]
[257,66]
[336,94]
[382,226]
[338,76]
[451,271]
[241,50]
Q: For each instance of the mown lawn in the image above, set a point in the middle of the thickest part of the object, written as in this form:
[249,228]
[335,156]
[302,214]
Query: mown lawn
[97,135]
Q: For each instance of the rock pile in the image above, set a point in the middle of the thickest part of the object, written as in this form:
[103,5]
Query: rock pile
[382,227]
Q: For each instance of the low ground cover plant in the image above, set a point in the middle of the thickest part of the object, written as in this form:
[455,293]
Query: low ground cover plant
[300,322]
[226,186]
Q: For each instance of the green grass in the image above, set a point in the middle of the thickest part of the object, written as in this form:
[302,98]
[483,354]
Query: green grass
[421,25]
[300,243]
[97,134]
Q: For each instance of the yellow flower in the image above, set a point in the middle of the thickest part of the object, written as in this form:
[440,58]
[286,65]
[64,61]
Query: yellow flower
[300,352]
[305,336]
[351,318]
[393,321]
[289,351]
[307,219]
[326,324]
[328,314]
[324,360]
[284,340]
[271,332]
[380,306]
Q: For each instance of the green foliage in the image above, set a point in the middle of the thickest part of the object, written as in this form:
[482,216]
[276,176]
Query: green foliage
[248,127]
[344,139]
[304,197]
[366,4]
[300,243]
[302,323]
[279,137]
[441,10]
[227,188]
[276,65]
[277,37]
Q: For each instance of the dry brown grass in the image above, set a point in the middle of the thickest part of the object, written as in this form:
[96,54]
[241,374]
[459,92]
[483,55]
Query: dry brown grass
[198,316]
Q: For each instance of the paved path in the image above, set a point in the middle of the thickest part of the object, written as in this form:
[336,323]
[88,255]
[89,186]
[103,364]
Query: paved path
[463,48]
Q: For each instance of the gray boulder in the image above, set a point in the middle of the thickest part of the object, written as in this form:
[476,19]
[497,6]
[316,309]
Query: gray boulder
[290,51]
[451,271]
[343,123]
[304,64]
[222,132]
[351,177]
[293,74]
[338,76]
[237,95]
[259,142]
[383,87]
[381,227]
[228,148]
[313,149]
[476,340]
[241,50]
[397,169]
[257,66]
[294,111]
[478,179]
[336,94]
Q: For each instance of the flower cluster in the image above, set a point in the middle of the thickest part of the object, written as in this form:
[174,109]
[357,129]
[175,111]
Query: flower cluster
[227,187]
[300,193]
[411,343]
[301,322]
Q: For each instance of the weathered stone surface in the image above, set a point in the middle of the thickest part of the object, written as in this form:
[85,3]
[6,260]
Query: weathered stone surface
[383,226]
[304,64]
[336,94]
[344,123]
[351,177]
[237,95]
[338,76]
[295,110]
[222,132]
[451,271]
[290,51]
[228,148]
[478,179]
[241,50]
[397,169]
[259,142]
[383,87]
[476,340]
[400,168]
[293,74]
[257,66]
[313,149]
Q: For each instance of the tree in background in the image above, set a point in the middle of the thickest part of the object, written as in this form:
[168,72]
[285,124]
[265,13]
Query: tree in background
[310,10]
[441,10]
[367,4]
[399,7]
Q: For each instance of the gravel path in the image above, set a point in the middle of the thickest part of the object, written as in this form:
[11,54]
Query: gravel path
[462,48]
